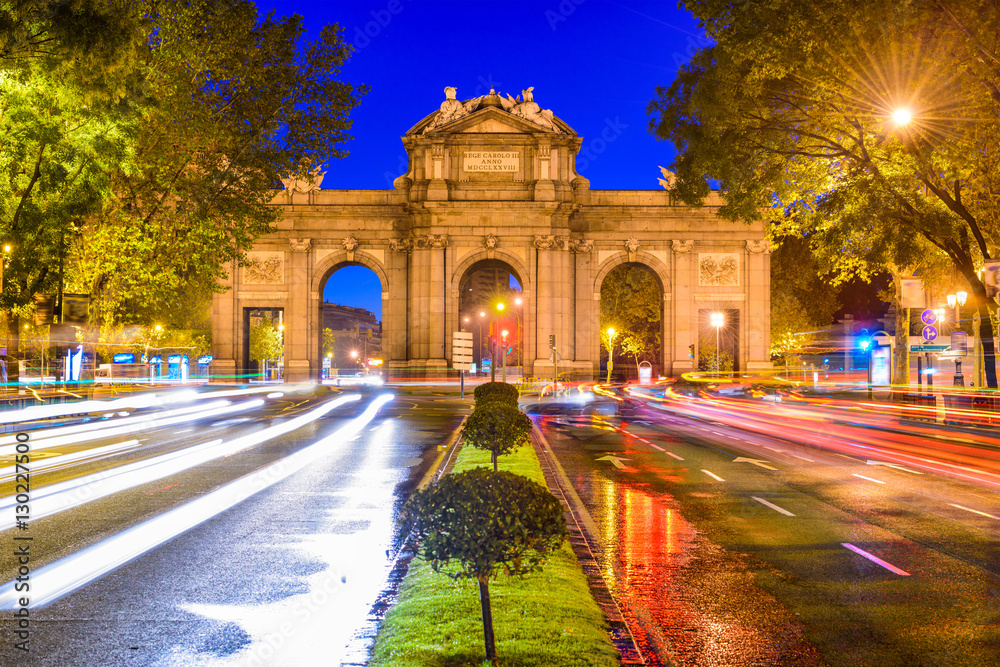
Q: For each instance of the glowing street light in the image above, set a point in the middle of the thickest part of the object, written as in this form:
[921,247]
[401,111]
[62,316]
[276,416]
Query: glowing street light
[611,351]
[718,319]
[956,301]
[902,116]
[503,342]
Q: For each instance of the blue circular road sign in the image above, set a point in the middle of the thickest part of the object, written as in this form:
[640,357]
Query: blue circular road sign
[930,333]
[928,317]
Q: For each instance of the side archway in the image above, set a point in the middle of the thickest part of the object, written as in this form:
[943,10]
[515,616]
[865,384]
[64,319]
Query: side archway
[323,270]
[659,271]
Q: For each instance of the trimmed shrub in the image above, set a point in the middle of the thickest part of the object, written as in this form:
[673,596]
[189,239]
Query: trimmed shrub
[496,391]
[497,427]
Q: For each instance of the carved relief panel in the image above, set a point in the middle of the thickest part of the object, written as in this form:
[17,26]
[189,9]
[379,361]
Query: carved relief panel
[718,269]
[266,267]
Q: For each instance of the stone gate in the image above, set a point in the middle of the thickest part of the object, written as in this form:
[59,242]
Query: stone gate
[494,178]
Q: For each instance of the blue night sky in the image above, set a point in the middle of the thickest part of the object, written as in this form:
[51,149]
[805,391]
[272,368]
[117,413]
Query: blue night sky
[595,63]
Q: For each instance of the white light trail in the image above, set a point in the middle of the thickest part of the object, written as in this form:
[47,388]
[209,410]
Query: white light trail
[64,576]
[56,461]
[75,492]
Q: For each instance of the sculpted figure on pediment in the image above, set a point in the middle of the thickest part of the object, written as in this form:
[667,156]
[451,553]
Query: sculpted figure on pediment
[451,109]
[306,180]
[531,112]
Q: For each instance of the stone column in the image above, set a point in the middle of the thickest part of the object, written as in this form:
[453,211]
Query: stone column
[586,313]
[437,290]
[564,293]
[298,307]
[419,313]
[758,320]
[545,305]
[225,327]
[685,313]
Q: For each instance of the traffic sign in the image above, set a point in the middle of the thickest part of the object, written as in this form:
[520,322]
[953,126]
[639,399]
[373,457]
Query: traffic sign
[928,317]
[461,351]
[930,333]
[928,348]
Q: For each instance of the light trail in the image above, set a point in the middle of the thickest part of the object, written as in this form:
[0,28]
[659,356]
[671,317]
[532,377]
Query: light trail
[56,461]
[75,492]
[875,559]
[53,581]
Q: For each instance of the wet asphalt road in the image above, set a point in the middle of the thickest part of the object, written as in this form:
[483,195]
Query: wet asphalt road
[284,576]
[720,561]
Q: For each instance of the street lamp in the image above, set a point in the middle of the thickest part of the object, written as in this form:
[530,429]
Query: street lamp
[482,314]
[503,340]
[902,116]
[354,355]
[520,333]
[718,319]
[611,351]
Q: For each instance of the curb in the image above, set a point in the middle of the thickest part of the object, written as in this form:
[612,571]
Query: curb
[582,532]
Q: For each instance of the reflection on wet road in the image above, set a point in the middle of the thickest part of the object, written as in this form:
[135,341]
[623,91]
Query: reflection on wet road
[727,545]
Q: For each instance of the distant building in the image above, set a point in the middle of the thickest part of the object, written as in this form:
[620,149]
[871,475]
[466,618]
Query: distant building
[354,329]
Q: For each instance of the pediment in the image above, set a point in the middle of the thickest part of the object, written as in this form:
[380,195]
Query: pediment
[491,120]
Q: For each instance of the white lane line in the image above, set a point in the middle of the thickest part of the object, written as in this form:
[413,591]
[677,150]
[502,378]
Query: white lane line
[875,559]
[969,509]
[675,456]
[375,428]
[772,506]
[713,475]
[804,458]
[183,431]
[877,481]
[655,446]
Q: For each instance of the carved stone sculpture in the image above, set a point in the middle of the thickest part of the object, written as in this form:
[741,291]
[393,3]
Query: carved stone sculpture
[719,269]
[581,245]
[404,244]
[632,245]
[490,241]
[531,112]
[264,268]
[300,245]
[306,180]
[682,246]
[431,241]
[544,242]
[350,243]
[451,109]
[759,246]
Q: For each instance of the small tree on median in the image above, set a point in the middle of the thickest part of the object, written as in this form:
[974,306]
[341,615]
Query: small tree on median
[497,427]
[486,522]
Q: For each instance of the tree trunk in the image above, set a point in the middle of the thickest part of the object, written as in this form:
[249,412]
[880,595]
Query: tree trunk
[989,351]
[494,456]
[484,601]
[901,352]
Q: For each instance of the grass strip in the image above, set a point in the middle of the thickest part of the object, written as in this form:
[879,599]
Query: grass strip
[547,619]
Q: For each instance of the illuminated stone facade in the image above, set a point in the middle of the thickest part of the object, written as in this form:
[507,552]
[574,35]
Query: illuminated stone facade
[494,186]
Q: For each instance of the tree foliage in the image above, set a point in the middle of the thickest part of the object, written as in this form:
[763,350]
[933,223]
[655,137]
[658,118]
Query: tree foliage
[791,110]
[266,341]
[142,141]
[498,428]
[486,522]
[802,301]
[631,304]
[502,392]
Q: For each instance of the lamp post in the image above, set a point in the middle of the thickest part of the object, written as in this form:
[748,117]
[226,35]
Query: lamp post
[956,301]
[718,319]
[503,341]
[611,352]
[482,314]
[354,355]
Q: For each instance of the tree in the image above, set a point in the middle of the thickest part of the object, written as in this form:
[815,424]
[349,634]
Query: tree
[486,522]
[631,304]
[241,100]
[792,111]
[266,342]
[801,300]
[498,428]
[329,341]
[503,392]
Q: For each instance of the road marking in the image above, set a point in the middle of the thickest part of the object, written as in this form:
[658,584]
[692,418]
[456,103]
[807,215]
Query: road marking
[875,559]
[756,462]
[617,461]
[969,509]
[375,428]
[713,475]
[184,431]
[804,458]
[877,481]
[893,465]
[655,446]
[772,506]
[674,455]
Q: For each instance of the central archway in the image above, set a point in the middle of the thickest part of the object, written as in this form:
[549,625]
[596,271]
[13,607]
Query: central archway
[491,299]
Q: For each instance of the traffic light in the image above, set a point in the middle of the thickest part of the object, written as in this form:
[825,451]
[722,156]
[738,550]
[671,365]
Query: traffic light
[552,341]
[691,351]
